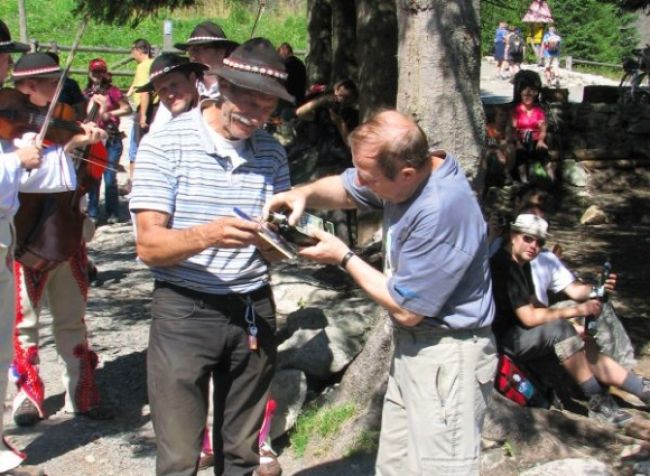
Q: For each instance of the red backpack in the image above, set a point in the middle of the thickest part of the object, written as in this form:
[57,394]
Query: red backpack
[517,385]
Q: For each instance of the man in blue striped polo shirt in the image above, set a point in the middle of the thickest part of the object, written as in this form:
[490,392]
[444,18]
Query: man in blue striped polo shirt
[213,311]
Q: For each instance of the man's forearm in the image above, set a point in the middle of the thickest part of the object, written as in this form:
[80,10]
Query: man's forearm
[161,246]
[327,193]
[544,315]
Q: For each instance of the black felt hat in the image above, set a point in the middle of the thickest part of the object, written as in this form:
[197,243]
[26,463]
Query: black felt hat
[167,63]
[6,43]
[206,33]
[36,65]
[257,66]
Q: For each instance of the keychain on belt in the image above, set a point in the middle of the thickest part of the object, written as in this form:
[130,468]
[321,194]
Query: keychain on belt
[249,316]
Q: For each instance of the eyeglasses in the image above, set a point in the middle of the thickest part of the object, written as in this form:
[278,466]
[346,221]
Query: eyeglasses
[528,239]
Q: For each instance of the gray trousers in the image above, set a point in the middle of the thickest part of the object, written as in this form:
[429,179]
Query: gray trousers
[438,388]
[556,337]
[194,336]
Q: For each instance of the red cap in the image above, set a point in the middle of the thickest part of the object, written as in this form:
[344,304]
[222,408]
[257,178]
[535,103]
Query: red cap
[97,64]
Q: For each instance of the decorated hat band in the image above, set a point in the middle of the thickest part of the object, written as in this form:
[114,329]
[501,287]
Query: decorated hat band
[263,70]
[36,71]
[194,39]
[166,69]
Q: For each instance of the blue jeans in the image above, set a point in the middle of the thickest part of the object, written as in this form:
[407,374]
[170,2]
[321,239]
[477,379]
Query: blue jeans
[134,139]
[114,150]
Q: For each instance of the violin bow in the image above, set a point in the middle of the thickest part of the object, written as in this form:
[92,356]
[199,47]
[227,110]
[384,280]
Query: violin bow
[260,10]
[59,87]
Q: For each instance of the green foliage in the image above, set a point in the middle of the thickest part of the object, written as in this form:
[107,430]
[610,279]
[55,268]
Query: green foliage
[318,424]
[55,21]
[592,30]
[508,449]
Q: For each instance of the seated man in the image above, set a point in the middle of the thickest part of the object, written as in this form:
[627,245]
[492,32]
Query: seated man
[527,330]
[550,274]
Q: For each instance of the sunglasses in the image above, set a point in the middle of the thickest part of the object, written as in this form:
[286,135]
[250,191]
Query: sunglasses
[530,239]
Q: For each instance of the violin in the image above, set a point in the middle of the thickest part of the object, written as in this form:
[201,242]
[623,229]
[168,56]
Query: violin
[19,115]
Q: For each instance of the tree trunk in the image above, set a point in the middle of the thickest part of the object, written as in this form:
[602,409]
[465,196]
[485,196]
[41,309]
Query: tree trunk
[319,29]
[439,71]
[364,381]
[344,26]
[377,55]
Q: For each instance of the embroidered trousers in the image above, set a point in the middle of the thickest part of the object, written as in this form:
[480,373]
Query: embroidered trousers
[66,288]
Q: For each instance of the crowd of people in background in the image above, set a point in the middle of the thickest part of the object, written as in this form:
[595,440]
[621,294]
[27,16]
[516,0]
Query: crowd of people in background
[510,51]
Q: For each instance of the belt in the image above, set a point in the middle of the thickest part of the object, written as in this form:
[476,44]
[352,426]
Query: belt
[215,299]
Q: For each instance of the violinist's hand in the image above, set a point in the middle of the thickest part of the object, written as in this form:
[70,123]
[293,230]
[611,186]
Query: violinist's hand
[100,100]
[28,152]
[30,156]
[91,135]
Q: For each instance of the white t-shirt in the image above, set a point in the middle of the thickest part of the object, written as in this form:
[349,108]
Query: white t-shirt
[549,274]
[56,174]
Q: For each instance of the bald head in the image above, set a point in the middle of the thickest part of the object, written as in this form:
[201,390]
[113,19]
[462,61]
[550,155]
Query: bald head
[394,139]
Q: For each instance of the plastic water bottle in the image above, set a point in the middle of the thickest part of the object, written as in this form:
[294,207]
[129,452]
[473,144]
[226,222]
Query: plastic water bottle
[524,386]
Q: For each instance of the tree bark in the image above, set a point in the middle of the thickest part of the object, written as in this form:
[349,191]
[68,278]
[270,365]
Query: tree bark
[439,71]
[344,25]
[319,29]
[364,381]
[377,55]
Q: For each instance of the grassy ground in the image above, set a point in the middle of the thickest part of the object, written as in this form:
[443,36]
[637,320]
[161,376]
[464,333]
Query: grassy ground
[54,21]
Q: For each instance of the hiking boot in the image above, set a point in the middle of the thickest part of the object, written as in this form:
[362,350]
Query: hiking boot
[26,414]
[603,408]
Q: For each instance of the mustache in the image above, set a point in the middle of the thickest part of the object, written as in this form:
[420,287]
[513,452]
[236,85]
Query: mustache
[243,119]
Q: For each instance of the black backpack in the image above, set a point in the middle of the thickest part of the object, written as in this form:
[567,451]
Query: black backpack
[516,44]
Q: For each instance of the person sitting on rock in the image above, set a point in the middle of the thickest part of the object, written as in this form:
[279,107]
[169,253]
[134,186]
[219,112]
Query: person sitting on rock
[528,127]
[527,330]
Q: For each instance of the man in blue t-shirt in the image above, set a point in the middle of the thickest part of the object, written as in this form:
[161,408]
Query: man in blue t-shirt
[436,288]
[551,54]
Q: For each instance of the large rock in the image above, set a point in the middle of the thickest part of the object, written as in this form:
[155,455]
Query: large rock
[569,466]
[574,173]
[594,216]
[319,352]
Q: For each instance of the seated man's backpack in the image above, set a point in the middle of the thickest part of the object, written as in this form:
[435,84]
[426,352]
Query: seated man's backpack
[518,385]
